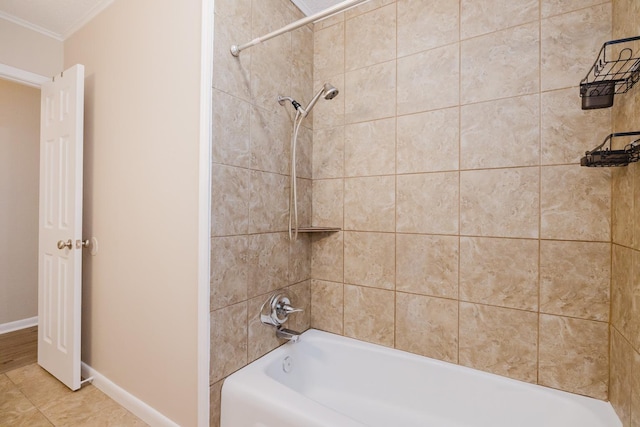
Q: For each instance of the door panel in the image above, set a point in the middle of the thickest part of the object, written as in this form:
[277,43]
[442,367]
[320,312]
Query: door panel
[60,267]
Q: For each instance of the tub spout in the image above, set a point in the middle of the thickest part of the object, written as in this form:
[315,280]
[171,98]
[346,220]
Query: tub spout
[287,334]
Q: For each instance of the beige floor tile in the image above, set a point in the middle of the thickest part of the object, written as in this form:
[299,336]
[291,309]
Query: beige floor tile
[14,406]
[31,418]
[55,404]
[37,384]
[118,417]
[77,408]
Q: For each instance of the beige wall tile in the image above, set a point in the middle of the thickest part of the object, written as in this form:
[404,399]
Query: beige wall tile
[369,314]
[300,259]
[426,24]
[328,153]
[500,203]
[261,338]
[621,289]
[371,38]
[327,22]
[428,142]
[300,296]
[624,12]
[620,382]
[481,17]
[567,130]
[228,341]
[635,391]
[427,265]
[570,43]
[302,51]
[635,170]
[501,272]
[271,139]
[370,259]
[575,203]
[330,113]
[229,270]
[231,74]
[557,7]
[427,326]
[428,80]
[215,394]
[268,262]
[269,202]
[369,93]
[483,345]
[230,195]
[574,355]
[366,7]
[328,52]
[231,140]
[501,133]
[328,196]
[327,306]
[239,10]
[428,203]
[269,14]
[304,153]
[509,62]
[270,77]
[622,212]
[304,189]
[575,278]
[369,204]
[370,148]
[634,301]
[327,256]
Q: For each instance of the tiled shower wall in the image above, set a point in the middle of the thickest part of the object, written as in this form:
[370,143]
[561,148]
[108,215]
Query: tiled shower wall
[451,161]
[251,256]
[625,298]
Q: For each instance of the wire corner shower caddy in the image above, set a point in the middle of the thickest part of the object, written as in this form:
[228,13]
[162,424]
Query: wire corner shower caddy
[615,71]
[604,156]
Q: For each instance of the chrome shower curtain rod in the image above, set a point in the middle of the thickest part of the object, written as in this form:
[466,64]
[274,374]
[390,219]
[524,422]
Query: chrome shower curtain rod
[235,49]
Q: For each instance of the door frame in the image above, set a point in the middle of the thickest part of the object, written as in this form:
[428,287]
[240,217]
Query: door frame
[22,76]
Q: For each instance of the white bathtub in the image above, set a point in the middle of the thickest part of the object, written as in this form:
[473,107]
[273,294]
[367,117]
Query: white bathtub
[326,380]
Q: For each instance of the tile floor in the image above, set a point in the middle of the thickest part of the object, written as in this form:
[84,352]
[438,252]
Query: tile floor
[31,397]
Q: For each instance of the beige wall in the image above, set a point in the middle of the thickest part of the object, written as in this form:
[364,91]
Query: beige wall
[625,298]
[142,102]
[451,160]
[19,160]
[29,50]
[251,255]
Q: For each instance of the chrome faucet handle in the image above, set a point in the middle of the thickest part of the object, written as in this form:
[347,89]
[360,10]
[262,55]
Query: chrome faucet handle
[286,309]
[276,310]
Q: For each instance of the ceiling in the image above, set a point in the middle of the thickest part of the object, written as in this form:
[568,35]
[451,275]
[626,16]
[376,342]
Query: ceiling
[55,18]
[61,18]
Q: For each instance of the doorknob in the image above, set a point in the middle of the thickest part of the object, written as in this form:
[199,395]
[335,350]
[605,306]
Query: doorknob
[62,244]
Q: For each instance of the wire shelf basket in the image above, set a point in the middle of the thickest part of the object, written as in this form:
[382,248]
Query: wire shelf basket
[604,156]
[615,71]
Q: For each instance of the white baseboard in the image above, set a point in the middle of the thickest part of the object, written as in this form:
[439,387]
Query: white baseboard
[18,324]
[136,406]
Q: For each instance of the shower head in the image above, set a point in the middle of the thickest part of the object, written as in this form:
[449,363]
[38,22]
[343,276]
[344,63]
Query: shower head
[328,91]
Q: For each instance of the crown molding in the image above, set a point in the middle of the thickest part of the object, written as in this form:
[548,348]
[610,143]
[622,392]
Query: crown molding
[33,27]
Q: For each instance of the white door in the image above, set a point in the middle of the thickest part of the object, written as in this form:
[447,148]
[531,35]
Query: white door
[60,229]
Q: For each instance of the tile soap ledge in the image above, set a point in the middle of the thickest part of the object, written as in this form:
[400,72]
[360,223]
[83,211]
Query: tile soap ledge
[315,229]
